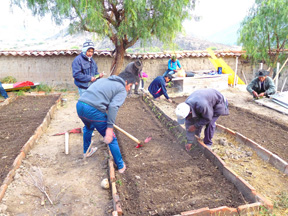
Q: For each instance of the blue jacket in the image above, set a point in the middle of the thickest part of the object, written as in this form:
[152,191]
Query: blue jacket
[173,65]
[158,85]
[206,104]
[83,70]
[106,94]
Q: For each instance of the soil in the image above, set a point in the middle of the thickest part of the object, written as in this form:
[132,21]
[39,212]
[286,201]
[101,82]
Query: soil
[72,183]
[18,121]
[161,177]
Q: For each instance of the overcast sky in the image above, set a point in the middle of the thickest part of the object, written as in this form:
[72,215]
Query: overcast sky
[216,15]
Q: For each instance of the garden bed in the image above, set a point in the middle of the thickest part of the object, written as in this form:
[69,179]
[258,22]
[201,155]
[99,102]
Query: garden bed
[18,122]
[161,177]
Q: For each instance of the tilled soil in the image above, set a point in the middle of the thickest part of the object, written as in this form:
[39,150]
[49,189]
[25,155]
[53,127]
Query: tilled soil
[268,132]
[161,177]
[18,121]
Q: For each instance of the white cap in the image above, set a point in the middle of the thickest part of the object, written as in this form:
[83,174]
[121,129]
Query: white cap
[182,111]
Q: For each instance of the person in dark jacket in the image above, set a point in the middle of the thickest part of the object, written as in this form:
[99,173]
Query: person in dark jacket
[135,68]
[84,68]
[3,92]
[158,87]
[202,108]
[105,95]
[262,85]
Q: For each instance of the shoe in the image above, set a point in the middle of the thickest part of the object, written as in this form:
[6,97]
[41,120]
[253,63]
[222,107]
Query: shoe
[122,170]
[91,152]
[209,146]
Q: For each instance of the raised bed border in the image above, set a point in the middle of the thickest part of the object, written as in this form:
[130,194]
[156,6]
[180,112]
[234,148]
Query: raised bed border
[243,186]
[263,153]
[30,143]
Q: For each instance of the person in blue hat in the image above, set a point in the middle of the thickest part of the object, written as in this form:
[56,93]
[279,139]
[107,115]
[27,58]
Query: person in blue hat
[84,68]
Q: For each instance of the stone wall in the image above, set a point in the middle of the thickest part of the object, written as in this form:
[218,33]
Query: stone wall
[55,70]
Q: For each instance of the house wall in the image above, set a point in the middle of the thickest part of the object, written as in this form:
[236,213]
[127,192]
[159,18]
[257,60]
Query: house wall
[56,70]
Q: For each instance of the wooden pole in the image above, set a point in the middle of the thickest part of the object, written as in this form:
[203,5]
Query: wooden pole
[277,75]
[261,66]
[244,77]
[235,75]
[280,69]
[283,84]
[67,143]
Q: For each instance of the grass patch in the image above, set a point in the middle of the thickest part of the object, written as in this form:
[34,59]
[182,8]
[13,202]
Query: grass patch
[9,79]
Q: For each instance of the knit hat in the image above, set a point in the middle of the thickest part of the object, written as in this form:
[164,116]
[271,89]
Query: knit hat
[182,111]
[138,64]
[173,58]
[87,45]
[262,73]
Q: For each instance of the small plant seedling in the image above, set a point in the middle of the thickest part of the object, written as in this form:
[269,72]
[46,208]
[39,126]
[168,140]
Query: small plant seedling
[119,182]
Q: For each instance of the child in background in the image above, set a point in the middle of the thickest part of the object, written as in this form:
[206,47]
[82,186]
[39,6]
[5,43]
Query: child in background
[143,79]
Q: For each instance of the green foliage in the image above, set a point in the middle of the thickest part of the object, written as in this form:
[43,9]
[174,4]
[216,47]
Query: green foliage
[43,87]
[264,32]
[9,79]
[119,182]
[124,22]
[75,47]
[282,200]
[20,93]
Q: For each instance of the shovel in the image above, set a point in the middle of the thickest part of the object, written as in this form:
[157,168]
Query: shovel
[139,143]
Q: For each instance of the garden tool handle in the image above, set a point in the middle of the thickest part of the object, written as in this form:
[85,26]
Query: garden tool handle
[127,134]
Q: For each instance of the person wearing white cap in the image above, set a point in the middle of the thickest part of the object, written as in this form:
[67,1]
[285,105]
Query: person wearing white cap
[84,68]
[202,108]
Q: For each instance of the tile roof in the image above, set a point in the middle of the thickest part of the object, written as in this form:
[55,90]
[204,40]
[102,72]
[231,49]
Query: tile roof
[179,54]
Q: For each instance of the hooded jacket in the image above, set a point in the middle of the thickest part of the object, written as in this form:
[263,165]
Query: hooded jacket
[83,70]
[206,104]
[106,94]
[131,68]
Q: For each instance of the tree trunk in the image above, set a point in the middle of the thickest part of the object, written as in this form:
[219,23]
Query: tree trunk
[118,61]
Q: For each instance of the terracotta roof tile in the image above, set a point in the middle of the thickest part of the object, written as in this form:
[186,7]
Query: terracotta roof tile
[179,54]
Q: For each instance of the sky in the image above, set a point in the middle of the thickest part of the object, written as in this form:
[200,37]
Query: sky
[18,24]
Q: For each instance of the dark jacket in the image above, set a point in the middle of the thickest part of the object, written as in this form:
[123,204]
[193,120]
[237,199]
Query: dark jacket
[131,68]
[158,86]
[206,104]
[83,70]
[255,85]
[106,94]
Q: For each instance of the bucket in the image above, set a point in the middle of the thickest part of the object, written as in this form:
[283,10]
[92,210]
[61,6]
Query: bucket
[219,71]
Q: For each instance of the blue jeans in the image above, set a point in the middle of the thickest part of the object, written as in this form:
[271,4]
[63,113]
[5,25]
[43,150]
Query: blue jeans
[2,91]
[93,118]
[168,72]
[81,91]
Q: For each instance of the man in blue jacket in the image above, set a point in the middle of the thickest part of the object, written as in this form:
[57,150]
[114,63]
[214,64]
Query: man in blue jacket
[158,87]
[202,108]
[105,95]
[84,68]
[172,66]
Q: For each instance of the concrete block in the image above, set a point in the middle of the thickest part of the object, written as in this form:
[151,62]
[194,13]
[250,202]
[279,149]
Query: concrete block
[278,162]
[240,138]
[263,153]
[246,189]
[230,175]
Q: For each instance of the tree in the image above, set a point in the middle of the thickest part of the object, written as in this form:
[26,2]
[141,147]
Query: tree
[123,21]
[264,32]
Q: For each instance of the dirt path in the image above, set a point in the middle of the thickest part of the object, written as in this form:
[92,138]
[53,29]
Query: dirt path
[73,183]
